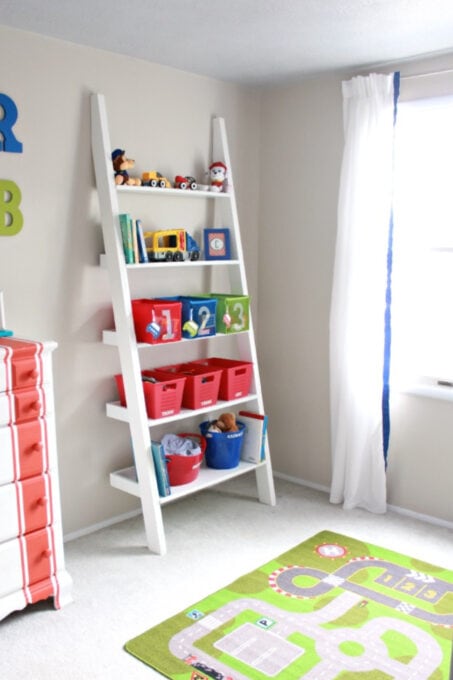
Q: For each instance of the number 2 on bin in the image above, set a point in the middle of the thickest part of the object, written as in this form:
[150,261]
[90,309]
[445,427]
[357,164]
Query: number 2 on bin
[203,317]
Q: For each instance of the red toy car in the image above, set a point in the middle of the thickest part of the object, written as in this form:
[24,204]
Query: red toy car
[183,182]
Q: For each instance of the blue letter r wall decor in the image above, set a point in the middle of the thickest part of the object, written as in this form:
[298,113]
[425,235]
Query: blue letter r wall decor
[7,121]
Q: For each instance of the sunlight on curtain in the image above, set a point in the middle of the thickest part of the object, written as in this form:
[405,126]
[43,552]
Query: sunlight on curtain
[357,331]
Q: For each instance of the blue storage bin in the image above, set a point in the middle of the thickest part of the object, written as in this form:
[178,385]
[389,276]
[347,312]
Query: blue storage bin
[198,316]
[223,449]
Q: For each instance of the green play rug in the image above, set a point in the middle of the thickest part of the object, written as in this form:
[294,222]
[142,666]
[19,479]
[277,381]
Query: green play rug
[332,608]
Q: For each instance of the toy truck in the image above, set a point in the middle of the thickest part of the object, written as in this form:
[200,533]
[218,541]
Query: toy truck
[185,182]
[155,179]
[171,245]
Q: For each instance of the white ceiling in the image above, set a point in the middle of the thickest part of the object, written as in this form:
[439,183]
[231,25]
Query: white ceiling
[246,41]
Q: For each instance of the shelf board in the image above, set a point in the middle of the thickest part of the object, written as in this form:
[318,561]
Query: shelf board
[180,265]
[172,192]
[117,412]
[184,263]
[110,337]
[126,480]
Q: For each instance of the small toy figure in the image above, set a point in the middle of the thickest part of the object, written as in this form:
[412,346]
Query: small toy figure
[121,165]
[217,174]
[226,422]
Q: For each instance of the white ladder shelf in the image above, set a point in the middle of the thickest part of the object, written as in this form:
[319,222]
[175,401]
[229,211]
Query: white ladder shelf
[139,480]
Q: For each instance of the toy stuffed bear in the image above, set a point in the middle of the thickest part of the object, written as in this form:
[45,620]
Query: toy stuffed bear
[121,165]
[226,422]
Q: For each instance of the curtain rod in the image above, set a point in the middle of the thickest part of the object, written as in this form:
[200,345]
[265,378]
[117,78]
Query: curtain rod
[424,75]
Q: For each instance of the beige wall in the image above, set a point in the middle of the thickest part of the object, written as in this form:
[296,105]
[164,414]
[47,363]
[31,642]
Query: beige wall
[301,150]
[53,286]
[301,154]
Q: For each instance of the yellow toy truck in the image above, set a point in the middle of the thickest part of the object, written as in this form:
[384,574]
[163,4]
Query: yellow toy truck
[155,179]
[171,245]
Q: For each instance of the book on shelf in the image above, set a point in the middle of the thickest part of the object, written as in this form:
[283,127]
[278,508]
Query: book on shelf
[126,235]
[135,240]
[142,252]
[254,445]
[160,466]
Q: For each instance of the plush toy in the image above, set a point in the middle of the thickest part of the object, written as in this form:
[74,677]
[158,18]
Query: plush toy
[121,165]
[226,422]
[217,174]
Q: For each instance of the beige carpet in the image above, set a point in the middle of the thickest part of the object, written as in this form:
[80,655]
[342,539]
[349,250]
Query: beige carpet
[120,589]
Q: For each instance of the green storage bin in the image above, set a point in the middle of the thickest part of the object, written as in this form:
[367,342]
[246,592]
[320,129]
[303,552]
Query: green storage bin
[232,312]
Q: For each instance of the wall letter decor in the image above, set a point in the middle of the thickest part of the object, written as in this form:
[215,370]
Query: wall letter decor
[9,143]
[11,218]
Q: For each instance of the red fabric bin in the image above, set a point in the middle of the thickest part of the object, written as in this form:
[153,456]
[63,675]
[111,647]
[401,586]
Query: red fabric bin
[157,321]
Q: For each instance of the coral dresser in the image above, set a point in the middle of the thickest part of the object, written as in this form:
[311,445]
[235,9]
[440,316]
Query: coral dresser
[31,545]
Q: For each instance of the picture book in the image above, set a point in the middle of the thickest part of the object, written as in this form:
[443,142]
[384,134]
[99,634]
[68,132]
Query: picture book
[254,446]
[126,235]
[135,240]
[163,482]
[142,252]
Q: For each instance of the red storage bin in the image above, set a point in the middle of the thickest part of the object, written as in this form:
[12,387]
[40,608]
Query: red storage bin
[157,321]
[202,385]
[162,398]
[236,376]
[185,469]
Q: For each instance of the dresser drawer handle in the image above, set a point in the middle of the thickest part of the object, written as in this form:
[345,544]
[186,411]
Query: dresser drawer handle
[34,448]
[43,500]
[47,552]
[33,374]
[35,406]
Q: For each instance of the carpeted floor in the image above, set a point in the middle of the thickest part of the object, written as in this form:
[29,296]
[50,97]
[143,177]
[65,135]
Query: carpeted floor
[120,589]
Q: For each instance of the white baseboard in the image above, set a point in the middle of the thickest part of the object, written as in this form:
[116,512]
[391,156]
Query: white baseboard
[279,475]
[301,482]
[423,518]
[429,519]
[101,525]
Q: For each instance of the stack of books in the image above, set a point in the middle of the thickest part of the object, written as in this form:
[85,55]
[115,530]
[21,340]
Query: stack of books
[133,239]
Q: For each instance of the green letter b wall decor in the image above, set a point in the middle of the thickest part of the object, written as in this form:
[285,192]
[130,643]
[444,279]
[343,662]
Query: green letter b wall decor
[11,218]
[9,143]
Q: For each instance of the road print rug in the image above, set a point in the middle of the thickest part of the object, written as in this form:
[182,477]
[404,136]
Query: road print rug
[332,608]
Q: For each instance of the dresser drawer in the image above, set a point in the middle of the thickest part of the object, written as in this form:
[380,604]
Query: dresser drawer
[24,363]
[25,450]
[24,405]
[25,507]
[28,563]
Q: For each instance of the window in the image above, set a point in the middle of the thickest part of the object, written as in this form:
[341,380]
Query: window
[423,244]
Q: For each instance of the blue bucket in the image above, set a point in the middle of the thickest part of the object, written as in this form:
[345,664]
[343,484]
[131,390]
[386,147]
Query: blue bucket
[223,449]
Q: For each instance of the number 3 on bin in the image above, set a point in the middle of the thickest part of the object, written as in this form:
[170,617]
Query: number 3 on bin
[238,310]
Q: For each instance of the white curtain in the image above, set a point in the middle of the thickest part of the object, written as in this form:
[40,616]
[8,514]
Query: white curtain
[357,329]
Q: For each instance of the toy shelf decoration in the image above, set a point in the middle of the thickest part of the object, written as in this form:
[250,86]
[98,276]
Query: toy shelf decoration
[158,396]
[217,244]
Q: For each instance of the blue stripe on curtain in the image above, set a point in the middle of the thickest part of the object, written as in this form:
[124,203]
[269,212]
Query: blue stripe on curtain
[388,308]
